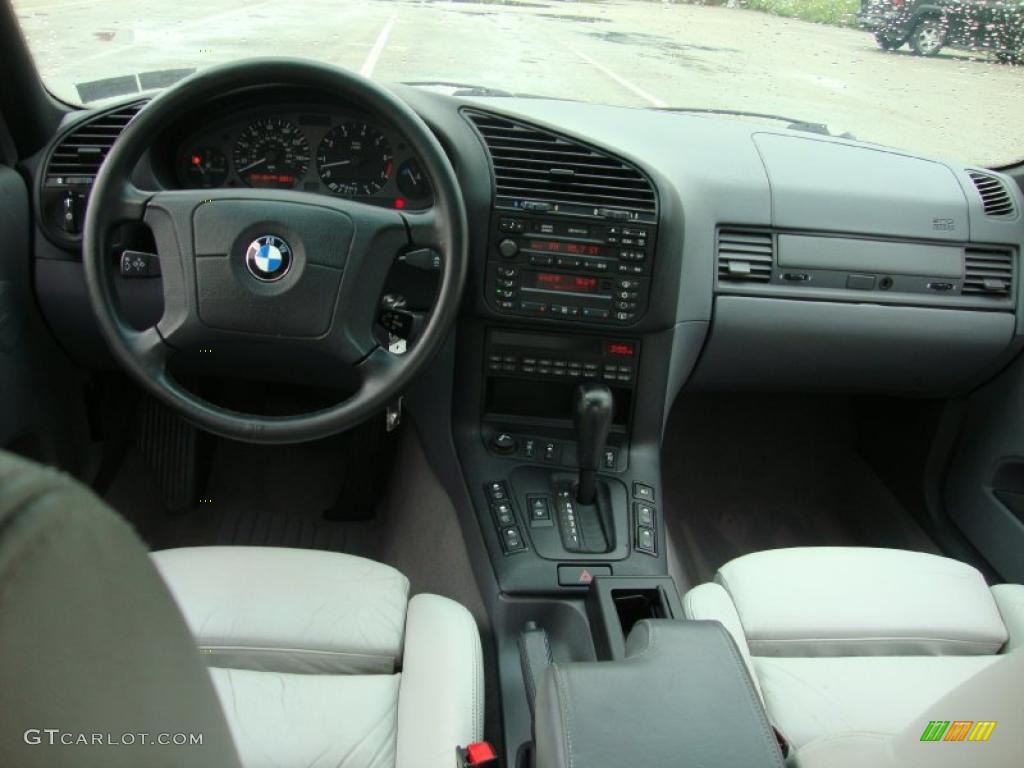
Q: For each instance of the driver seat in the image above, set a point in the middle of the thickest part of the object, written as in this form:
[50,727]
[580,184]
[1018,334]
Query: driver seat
[277,657]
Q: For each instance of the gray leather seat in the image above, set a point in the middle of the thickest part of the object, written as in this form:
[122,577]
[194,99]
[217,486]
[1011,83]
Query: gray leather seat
[321,658]
[853,646]
[294,657]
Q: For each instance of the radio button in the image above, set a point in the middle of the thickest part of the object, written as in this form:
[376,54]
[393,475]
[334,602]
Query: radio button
[575,229]
[507,304]
[564,261]
[515,226]
[542,261]
[594,313]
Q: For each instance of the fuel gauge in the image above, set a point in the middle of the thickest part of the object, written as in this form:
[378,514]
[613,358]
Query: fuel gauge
[205,168]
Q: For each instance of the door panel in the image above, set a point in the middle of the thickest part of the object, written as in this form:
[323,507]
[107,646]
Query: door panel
[36,384]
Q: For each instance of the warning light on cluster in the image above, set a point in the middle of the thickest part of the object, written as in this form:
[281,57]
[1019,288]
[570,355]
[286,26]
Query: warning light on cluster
[620,349]
[399,203]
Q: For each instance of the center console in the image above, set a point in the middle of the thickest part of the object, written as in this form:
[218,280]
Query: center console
[554,442]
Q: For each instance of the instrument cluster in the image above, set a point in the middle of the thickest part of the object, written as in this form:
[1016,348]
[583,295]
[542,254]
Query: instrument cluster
[313,149]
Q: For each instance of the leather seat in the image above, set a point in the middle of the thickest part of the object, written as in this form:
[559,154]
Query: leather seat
[321,658]
[311,658]
[855,641]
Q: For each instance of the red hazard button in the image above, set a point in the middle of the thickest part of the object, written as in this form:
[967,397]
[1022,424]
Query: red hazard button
[581,575]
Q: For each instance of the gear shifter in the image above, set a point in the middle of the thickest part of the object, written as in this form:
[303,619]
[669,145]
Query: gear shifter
[592,412]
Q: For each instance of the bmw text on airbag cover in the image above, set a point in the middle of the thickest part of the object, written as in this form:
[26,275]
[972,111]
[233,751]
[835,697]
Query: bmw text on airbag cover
[268,258]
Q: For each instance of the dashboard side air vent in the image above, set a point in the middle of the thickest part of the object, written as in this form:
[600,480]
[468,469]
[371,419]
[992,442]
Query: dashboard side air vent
[988,271]
[995,197]
[745,255]
[81,152]
[535,169]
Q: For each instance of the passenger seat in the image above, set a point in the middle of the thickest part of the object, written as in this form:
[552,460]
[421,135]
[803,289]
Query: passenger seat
[848,645]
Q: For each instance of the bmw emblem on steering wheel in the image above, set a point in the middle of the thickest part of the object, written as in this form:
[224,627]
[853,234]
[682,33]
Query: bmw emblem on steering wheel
[268,258]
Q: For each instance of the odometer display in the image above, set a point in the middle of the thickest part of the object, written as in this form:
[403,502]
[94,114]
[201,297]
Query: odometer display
[271,152]
[355,159]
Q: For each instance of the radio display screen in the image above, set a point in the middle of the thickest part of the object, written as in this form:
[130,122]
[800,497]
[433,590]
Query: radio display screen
[555,281]
[570,249]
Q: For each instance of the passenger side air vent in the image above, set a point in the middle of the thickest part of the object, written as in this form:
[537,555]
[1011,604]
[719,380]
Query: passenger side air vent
[535,169]
[988,272]
[745,256]
[81,152]
[995,197]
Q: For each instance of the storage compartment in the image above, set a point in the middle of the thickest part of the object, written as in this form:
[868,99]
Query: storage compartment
[680,696]
[615,605]
[780,344]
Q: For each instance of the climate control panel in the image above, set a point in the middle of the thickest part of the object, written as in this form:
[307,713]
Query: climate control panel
[569,268]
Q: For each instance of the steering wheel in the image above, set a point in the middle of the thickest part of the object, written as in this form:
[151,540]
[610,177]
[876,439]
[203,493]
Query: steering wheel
[277,268]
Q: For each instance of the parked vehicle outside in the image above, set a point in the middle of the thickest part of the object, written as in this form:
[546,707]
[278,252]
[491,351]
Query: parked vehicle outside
[928,26]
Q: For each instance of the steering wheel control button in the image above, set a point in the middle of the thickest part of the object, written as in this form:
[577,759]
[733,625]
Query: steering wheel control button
[139,264]
[268,258]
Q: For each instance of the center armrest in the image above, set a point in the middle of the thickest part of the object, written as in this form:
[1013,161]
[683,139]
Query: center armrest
[681,697]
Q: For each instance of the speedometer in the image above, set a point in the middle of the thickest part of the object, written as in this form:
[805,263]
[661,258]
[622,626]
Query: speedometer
[271,152]
[355,159]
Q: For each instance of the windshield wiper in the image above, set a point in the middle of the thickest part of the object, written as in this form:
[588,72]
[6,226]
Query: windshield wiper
[794,124]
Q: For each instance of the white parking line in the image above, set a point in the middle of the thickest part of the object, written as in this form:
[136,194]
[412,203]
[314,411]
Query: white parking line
[653,100]
[378,48]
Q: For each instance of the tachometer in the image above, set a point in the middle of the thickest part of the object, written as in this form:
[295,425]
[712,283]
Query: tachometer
[355,159]
[271,152]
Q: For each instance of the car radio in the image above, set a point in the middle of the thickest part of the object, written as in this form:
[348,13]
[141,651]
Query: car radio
[575,269]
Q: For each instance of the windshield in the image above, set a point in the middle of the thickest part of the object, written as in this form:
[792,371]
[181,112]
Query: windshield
[891,72]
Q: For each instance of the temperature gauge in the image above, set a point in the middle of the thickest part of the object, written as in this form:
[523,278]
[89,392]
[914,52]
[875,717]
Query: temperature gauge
[204,168]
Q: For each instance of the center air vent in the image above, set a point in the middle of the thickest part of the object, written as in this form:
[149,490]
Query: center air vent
[81,152]
[745,256]
[543,168]
[995,197]
[988,272]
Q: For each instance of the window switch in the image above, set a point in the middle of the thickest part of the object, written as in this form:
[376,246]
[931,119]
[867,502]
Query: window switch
[646,540]
[644,514]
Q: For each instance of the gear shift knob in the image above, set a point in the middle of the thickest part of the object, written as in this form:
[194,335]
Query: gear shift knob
[592,411]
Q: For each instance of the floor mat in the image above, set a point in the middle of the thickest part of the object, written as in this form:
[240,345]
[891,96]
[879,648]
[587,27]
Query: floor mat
[744,473]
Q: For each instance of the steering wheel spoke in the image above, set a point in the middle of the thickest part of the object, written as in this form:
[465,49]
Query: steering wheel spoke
[129,203]
[150,349]
[425,230]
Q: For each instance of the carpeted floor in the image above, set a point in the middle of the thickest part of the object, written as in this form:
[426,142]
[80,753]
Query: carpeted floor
[743,473]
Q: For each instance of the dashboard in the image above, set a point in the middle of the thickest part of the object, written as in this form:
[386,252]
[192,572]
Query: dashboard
[759,256]
[306,146]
